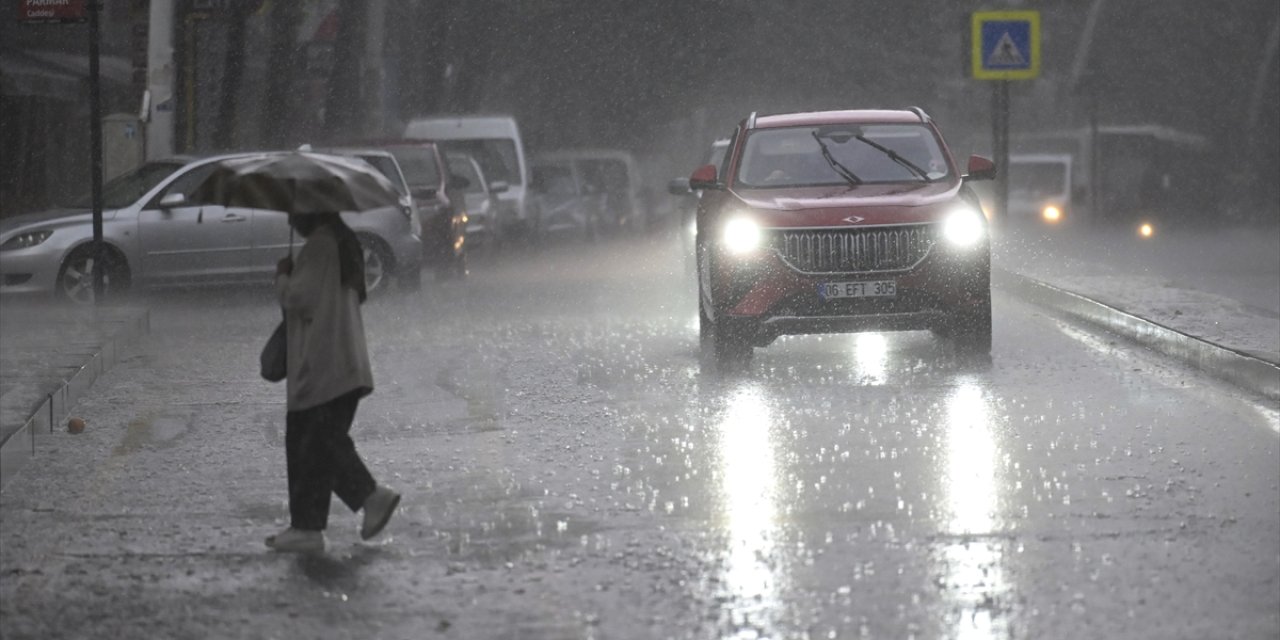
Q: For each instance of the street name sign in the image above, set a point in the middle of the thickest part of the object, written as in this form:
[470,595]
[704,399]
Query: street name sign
[1005,45]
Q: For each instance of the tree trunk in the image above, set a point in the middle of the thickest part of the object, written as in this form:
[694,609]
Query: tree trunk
[280,113]
[342,106]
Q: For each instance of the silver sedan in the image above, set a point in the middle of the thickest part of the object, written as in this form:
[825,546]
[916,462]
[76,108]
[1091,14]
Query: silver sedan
[155,236]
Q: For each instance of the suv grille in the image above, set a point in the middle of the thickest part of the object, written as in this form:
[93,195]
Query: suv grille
[852,250]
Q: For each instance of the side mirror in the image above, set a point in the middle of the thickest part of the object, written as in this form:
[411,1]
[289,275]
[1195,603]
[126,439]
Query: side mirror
[980,168]
[679,187]
[704,177]
[173,200]
[499,186]
[458,182]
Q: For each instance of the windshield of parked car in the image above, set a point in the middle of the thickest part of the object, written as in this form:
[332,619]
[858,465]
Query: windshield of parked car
[419,165]
[127,189]
[1035,180]
[462,166]
[608,176]
[497,157]
[793,157]
[387,167]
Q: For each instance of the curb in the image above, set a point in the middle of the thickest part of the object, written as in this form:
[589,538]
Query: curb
[20,446]
[1241,369]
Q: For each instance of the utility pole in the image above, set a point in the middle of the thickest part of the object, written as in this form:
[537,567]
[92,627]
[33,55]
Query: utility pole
[95,142]
[159,107]
[1082,80]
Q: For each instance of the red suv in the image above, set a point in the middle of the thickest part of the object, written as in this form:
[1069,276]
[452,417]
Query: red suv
[840,221]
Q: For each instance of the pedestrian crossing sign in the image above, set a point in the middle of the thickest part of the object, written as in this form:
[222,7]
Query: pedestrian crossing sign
[1006,45]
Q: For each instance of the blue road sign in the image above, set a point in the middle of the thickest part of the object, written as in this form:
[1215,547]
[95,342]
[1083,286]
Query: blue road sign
[1006,45]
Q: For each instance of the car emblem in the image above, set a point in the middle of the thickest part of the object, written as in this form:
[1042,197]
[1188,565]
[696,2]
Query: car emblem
[854,219]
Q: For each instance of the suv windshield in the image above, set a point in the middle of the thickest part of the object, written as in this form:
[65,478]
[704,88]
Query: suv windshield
[419,166]
[793,156]
[386,165]
[497,157]
[461,166]
[1032,180]
[124,190]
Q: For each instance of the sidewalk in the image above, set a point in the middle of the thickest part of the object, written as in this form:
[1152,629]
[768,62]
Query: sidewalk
[1210,297]
[1222,286]
[50,354]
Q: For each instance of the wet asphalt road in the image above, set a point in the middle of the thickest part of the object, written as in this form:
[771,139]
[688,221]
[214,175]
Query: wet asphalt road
[569,473]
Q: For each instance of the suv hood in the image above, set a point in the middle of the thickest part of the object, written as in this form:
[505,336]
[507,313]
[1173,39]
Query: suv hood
[841,205]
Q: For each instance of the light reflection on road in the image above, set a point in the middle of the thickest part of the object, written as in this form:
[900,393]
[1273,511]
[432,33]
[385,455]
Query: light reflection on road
[749,489]
[973,565]
[871,356]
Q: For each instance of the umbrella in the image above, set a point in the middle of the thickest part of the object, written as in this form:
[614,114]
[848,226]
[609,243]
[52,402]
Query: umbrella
[296,182]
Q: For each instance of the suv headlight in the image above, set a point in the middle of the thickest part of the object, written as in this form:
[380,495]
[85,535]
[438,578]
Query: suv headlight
[741,235]
[26,240]
[963,227]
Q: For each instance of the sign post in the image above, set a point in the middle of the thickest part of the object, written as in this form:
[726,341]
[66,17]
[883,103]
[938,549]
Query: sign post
[1005,45]
[72,12]
[95,139]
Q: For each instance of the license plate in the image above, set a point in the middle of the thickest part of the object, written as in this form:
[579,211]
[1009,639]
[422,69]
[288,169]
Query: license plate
[861,289]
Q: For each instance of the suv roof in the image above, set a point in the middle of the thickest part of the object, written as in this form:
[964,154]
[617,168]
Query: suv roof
[838,117]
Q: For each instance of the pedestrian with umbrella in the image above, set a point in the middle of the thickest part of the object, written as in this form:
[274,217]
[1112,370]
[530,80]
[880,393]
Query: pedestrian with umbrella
[320,293]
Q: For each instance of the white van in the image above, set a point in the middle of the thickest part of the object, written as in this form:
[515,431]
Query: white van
[494,141]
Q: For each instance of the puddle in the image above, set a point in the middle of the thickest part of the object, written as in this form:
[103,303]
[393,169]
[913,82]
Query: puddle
[154,431]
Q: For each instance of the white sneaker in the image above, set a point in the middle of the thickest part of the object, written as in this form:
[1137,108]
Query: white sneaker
[378,508]
[297,541]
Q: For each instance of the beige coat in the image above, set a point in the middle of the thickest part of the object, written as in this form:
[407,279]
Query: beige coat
[328,356]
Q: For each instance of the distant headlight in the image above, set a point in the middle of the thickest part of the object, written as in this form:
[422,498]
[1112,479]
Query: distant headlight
[741,235]
[964,227]
[1051,213]
[26,240]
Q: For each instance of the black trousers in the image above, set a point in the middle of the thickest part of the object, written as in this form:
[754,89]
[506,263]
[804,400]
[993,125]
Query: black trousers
[322,460]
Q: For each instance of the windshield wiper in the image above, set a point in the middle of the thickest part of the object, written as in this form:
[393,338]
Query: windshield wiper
[893,155]
[844,171]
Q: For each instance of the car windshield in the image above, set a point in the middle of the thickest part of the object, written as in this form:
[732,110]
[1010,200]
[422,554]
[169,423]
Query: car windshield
[462,166]
[387,167]
[124,190]
[609,176]
[793,156]
[419,165]
[1033,180]
[497,157]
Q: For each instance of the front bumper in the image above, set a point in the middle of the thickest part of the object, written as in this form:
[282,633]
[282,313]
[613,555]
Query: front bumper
[766,292]
[28,271]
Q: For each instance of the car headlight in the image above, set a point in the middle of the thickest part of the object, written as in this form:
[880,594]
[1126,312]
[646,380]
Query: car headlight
[964,227]
[26,240]
[1051,213]
[741,235]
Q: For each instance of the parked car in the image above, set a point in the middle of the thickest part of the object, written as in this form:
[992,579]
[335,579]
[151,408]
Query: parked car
[387,165]
[480,199]
[840,221]
[155,236]
[1040,191]
[566,205]
[614,176]
[495,142]
[439,198]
